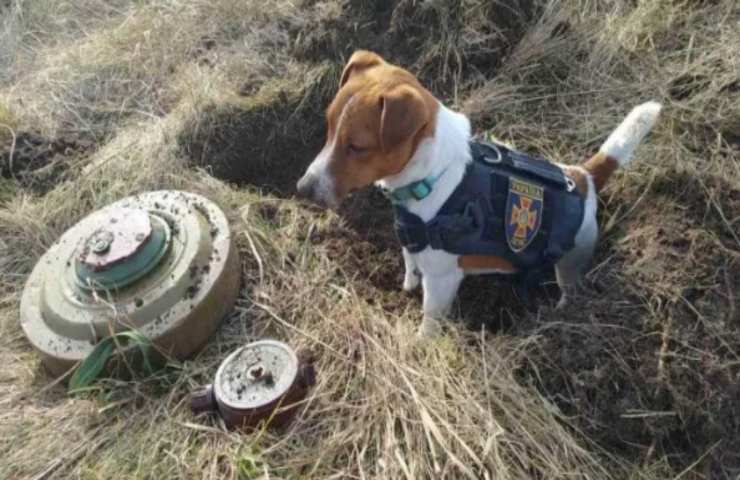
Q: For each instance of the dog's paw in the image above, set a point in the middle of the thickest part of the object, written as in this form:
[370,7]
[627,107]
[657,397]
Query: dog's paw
[429,328]
[562,303]
[411,281]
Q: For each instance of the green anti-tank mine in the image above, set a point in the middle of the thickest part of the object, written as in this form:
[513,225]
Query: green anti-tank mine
[162,263]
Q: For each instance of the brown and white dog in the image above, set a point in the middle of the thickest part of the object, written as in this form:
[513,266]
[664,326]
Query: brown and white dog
[385,128]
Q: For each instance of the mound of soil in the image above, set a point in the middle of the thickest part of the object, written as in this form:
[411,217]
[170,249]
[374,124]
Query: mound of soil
[649,365]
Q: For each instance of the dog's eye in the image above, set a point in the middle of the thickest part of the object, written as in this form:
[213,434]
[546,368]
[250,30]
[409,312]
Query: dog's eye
[355,149]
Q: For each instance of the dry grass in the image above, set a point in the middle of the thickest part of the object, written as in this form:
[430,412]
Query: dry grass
[641,381]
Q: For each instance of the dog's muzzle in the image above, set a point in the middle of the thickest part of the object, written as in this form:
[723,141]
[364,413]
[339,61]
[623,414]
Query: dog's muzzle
[311,188]
[306,186]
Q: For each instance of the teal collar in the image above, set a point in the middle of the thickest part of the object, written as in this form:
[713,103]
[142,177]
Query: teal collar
[413,191]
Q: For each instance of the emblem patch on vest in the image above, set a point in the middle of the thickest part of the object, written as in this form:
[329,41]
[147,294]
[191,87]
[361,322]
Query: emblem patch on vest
[524,206]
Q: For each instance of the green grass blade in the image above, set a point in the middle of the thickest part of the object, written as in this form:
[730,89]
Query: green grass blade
[92,365]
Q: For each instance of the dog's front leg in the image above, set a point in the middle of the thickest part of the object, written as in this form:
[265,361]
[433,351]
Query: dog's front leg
[411,277]
[439,293]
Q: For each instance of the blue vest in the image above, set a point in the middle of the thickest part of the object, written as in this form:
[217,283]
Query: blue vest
[508,204]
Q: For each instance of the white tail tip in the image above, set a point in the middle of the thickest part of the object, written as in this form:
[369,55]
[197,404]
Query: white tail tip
[623,141]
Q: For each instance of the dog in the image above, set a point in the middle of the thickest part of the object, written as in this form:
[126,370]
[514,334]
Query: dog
[385,128]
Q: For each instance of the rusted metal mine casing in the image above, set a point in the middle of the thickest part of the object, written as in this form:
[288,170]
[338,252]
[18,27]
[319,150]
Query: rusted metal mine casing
[262,381]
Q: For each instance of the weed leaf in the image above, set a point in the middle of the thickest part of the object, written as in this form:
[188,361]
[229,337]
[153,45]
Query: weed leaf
[92,365]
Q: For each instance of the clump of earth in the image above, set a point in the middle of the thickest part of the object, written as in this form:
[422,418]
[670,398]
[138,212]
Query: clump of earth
[39,163]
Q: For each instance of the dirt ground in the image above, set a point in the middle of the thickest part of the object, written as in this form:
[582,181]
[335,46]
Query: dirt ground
[37,163]
[638,378]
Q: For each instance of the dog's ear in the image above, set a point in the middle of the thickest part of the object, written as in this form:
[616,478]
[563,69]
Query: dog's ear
[403,114]
[359,61]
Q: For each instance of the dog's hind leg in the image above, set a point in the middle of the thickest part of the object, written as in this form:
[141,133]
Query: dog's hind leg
[569,270]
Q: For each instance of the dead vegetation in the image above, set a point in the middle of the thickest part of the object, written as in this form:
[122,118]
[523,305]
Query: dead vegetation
[640,380]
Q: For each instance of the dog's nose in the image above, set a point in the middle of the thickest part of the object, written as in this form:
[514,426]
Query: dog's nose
[305,186]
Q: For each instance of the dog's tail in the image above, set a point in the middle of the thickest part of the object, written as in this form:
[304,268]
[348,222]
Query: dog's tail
[617,150]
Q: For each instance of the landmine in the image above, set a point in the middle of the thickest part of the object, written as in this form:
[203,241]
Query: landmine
[262,381]
[163,263]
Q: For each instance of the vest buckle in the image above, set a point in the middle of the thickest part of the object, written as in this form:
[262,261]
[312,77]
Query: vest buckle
[570,185]
[493,160]
[421,190]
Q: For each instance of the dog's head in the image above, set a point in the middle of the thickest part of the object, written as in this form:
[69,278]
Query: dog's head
[374,124]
